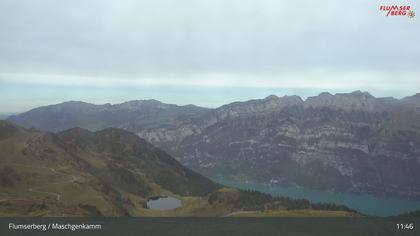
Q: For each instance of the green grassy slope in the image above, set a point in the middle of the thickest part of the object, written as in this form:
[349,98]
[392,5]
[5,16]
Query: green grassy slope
[111,173]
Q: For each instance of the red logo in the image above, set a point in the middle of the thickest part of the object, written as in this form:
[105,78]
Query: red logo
[398,10]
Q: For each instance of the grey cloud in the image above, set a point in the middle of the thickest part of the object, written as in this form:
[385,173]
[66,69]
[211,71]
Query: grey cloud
[131,38]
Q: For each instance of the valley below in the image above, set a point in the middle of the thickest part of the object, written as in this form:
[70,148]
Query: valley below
[114,173]
[348,149]
[366,204]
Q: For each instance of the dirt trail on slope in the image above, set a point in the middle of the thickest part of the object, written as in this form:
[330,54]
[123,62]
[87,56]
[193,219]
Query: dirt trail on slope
[57,195]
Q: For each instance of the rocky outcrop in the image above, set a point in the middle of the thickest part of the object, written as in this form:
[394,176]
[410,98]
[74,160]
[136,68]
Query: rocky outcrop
[348,142]
[344,142]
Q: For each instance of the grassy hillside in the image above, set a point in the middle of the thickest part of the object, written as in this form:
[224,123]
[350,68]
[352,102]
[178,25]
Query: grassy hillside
[111,173]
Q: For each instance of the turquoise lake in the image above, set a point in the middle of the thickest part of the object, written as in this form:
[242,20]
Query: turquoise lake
[365,204]
[164,203]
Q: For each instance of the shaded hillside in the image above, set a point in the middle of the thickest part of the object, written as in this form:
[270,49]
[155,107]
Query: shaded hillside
[111,170]
[111,173]
[130,162]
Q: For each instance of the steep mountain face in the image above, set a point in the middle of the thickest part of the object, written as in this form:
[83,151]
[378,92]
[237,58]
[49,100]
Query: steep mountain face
[348,142]
[413,100]
[133,115]
[114,173]
[133,164]
[344,142]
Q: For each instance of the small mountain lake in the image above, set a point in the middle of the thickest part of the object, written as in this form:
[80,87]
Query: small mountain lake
[163,203]
[366,204]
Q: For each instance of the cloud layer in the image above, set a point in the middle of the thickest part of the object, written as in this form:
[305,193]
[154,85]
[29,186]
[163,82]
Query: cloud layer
[235,43]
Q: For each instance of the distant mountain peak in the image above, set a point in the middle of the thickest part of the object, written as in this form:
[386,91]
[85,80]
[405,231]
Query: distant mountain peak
[293,98]
[272,96]
[135,114]
[141,102]
[138,115]
[325,94]
[360,93]
[286,99]
[74,102]
[356,100]
[145,101]
[356,93]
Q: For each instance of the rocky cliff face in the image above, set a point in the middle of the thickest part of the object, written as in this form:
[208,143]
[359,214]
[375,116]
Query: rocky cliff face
[345,142]
[348,142]
[113,172]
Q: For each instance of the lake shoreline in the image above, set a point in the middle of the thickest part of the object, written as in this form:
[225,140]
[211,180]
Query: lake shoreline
[365,204]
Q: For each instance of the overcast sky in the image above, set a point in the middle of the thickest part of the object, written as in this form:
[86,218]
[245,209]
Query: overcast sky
[205,52]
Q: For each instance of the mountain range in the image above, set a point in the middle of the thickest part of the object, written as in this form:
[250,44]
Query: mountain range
[132,115]
[346,142]
[113,172]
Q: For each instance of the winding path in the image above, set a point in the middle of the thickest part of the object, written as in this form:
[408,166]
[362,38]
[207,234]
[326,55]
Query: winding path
[57,195]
